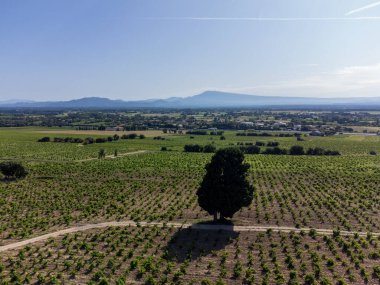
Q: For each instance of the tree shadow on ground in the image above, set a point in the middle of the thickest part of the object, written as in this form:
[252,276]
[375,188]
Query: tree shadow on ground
[199,240]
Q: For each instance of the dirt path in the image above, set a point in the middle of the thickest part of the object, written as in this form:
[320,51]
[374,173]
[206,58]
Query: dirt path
[79,160]
[113,157]
[175,225]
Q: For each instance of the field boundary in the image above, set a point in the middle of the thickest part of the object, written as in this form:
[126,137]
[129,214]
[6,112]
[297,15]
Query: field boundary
[213,227]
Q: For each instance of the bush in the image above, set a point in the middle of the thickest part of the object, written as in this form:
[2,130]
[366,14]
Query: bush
[199,133]
[129,136]
[101,140]
[275,150]
[159,138]
[44,139]
[250,149]
[331,152]
[272,144]
[209,148]
[13,170]
[296,150]
[193,148]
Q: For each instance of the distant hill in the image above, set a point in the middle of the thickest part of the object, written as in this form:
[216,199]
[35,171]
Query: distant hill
[208,99]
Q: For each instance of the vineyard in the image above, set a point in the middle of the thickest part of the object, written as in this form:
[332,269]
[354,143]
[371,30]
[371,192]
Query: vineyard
[67,185]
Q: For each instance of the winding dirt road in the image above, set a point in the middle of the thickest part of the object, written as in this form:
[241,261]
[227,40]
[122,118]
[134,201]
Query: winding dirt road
[175,225]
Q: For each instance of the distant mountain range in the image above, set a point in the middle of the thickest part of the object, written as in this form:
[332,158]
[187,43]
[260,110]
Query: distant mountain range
[208,99]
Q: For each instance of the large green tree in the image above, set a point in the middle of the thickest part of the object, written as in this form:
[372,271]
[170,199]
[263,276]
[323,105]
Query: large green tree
[225,188]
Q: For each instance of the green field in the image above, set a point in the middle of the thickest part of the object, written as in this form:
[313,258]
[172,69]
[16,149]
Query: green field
[67,185]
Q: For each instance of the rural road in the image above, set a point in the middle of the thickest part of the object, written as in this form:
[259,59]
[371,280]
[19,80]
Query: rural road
[175,225]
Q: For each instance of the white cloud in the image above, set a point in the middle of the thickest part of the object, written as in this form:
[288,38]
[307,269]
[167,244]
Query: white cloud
[367,7]
[355,81]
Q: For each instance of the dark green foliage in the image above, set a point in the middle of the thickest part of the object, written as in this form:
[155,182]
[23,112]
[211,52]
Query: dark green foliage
[275,150]
[209,148]
[198,148]
[13,170]
[193,148]
[129,136]
[251,149]
[272,144]
[197,132]
[321,151]
[296,150]
[65,140]
[225,188]
[102,140]
[44,139]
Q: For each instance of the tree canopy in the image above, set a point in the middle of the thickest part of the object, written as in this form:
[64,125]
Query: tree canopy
[225,188]
[13,170]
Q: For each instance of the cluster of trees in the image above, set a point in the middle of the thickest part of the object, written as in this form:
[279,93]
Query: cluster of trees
[294,150]
[285,135]
[321,151]
[204,133]
[270,144]
[197,132]
[132,136]
[198,148]
[85,141]
[12,169]
[91,140]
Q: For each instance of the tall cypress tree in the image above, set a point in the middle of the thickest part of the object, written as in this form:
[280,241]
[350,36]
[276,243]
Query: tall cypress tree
[225,188]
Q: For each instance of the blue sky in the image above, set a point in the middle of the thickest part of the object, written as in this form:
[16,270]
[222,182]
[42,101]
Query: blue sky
[139,49]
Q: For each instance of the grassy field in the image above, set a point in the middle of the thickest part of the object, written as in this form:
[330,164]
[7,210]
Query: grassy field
[64,189]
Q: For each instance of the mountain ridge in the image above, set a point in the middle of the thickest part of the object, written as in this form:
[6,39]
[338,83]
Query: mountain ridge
[207,99]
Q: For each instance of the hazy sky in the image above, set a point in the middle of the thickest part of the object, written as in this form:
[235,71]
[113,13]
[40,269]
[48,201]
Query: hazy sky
[138,49]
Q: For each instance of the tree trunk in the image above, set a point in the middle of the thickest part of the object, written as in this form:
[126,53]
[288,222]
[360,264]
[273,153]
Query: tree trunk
[215,216]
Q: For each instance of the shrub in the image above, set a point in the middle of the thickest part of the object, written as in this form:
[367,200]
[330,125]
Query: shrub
[209,148]
[101,140]
[296,150]
[252,149]
[193,148]
[13,170]
[197,132]
[44,139]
